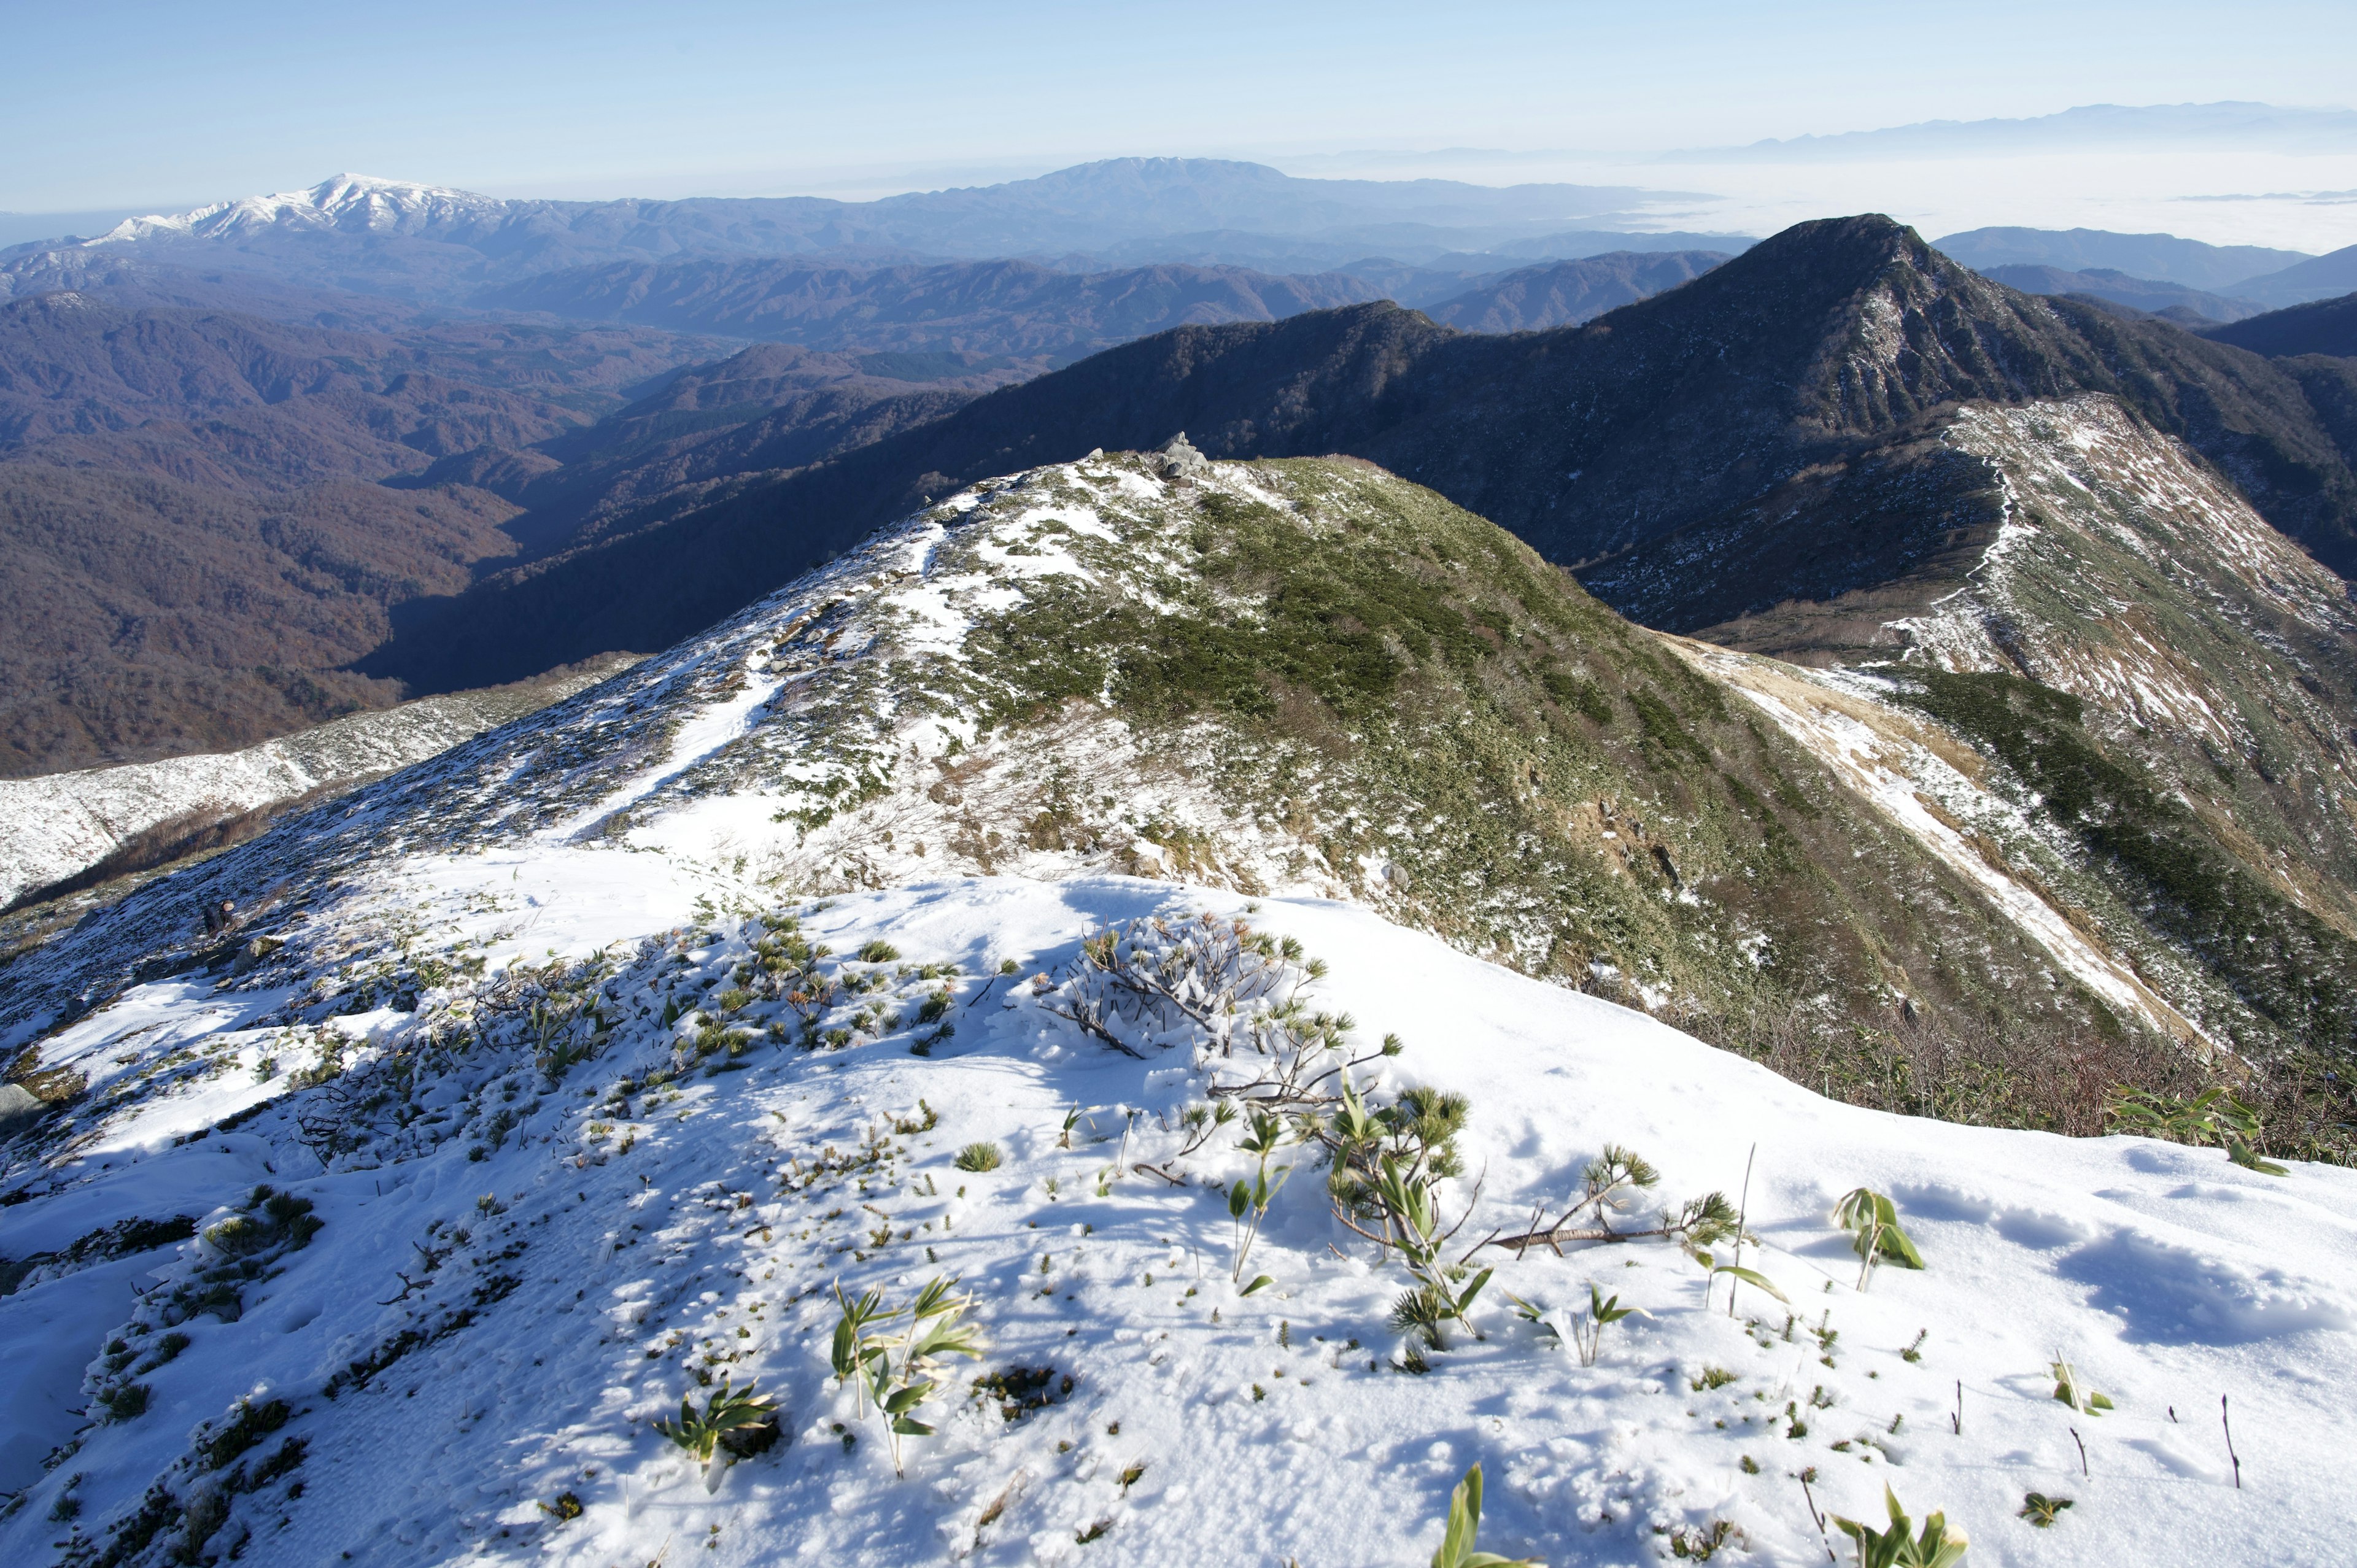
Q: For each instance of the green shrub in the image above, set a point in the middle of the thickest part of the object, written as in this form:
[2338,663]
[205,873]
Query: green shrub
[978,1158]
[862,1353]
[1584,697]
[249,1423]
[2213,1115]
[725,1410]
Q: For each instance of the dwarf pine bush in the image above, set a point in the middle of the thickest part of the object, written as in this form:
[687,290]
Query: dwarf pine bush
[1418,1133]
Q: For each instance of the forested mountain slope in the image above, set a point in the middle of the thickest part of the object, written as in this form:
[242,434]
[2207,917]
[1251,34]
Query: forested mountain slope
[1819,365]
[207,514]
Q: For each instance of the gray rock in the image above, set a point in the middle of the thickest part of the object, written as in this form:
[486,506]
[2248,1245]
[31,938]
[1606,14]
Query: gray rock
[19,1108]
[1179,460]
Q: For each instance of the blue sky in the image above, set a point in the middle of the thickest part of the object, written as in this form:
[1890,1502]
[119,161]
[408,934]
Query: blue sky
[105,104]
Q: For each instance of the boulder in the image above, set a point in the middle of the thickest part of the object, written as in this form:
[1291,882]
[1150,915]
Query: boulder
[19,1108]
[1179,460]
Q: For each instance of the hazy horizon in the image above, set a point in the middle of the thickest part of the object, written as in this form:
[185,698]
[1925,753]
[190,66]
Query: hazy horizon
[139,108]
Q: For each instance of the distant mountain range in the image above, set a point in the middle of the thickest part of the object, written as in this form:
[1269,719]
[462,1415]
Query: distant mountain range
[2250,273]
[2164,258]
[423,243]
[1014,309]
[1039,315]
[497,456]
[2324,278]
[2328,327]
[2091,127]
[348,452]
[2188,306]
[195,533]
[1565,293]
[1733,407]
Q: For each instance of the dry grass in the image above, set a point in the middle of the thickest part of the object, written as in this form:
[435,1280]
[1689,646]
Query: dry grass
[2047,1077]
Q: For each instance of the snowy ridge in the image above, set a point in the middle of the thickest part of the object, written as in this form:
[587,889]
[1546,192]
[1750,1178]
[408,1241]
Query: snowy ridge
[2089,467]
[826,738]
[582,1062]
[857,735]
[348,202]
[54,826]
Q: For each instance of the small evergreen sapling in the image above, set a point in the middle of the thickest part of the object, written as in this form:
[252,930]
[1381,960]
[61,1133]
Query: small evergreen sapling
[1875,1220]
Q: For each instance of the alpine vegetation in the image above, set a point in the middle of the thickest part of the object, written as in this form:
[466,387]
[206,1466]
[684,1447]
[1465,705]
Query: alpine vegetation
[549,1169]
[1587,1336]
[2073,1392]
[2212,1115]
[1873,1221]
[1248,1201]
[1898,1546]
[1456,1548]
[727,1413]
[892,1372]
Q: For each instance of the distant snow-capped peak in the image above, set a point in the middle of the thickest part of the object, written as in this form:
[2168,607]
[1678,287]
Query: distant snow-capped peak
[349,201]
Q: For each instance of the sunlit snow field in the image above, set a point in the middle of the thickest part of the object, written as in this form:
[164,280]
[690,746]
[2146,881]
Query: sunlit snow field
[1269,1427]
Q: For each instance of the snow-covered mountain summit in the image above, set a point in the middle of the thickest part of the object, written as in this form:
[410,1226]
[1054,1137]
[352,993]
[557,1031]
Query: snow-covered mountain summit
[958,913]
[347,203]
